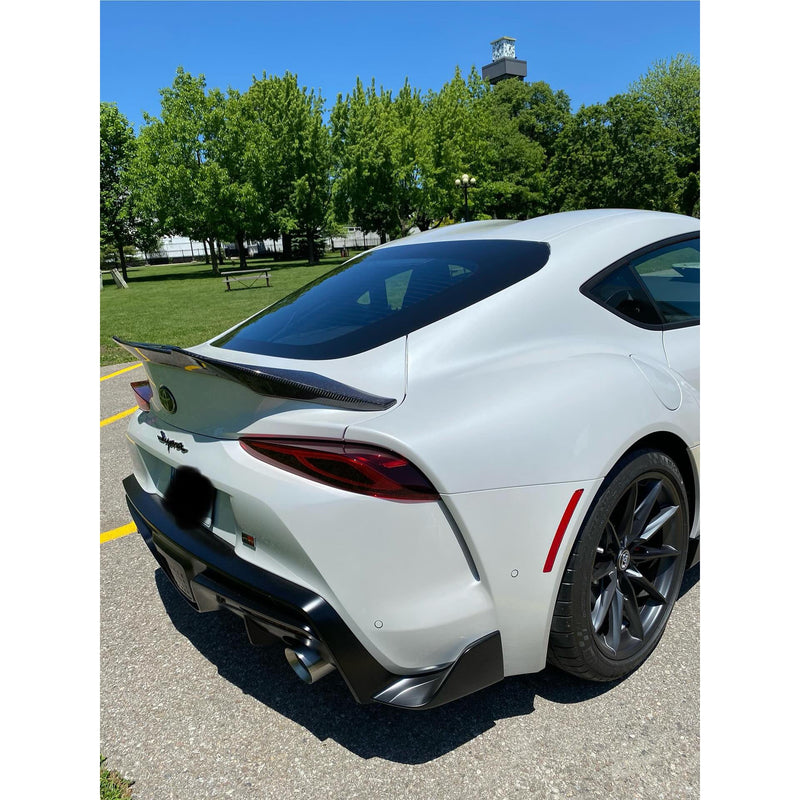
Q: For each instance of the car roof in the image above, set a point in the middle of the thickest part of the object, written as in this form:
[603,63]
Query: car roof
[581,242]
[563,225]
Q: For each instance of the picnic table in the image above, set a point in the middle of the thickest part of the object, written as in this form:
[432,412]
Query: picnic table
[249,277]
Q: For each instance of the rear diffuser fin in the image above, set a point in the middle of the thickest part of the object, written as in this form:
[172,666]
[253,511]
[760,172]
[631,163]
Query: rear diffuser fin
[309,387]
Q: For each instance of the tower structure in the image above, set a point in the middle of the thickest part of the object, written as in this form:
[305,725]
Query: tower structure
[505,63]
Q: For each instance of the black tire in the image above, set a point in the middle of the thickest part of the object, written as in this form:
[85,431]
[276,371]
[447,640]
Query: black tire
[624,572]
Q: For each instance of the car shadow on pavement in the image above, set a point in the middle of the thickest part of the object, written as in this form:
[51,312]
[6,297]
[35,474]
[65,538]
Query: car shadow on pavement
[328,710]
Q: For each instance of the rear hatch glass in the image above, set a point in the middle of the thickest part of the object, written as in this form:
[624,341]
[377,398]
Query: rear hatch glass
[383,295]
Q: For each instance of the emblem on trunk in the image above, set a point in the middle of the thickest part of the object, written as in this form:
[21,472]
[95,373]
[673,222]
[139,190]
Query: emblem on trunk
[171,443]
[167,400]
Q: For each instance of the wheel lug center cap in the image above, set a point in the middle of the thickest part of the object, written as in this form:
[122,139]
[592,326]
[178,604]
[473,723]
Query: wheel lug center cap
[624,560]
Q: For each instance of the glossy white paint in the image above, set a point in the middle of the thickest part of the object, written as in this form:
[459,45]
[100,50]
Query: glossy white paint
[224,409]
[374,560]
[508,407]
[681,347]
[510,531]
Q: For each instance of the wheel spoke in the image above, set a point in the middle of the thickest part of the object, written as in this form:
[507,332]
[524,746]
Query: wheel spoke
[615,621]
[602,570]
[603,603]
[644,553]
[626,522]
[640,581]
[632,611]
[611,534]
[643,511]
[657,522]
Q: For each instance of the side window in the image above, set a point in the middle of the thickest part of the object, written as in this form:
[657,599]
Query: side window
[672,276]
[621,292]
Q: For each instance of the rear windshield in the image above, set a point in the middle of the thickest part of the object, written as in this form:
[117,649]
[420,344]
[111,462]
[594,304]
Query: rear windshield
[383,295]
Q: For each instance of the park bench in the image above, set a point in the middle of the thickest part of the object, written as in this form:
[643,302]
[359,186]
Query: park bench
[246,276]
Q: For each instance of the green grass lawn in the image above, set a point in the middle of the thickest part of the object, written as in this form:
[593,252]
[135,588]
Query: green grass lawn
[185,304]
[112,785]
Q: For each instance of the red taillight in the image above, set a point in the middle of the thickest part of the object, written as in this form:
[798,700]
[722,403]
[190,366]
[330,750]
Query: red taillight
[357,468]
[144,394]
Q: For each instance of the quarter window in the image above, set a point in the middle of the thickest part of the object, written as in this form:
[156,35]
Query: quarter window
[621,292]
[659,288]
[672,277]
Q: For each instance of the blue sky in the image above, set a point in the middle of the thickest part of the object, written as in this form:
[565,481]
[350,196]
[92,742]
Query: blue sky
[591,50]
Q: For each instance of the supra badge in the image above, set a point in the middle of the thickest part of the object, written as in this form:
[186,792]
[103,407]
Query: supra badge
[171,443]
[167,399]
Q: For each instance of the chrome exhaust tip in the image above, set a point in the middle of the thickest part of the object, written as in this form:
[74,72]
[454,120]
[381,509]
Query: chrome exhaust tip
[308,664]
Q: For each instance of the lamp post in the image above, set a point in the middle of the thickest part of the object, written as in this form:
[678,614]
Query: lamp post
[464,182]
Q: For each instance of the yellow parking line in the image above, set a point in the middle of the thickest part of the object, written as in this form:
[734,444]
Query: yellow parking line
[121,415]
[117,532]
[119,372]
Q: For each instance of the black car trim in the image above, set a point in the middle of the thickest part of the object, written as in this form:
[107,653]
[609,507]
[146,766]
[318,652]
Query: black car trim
[309,387]
[218,578]
[587,286]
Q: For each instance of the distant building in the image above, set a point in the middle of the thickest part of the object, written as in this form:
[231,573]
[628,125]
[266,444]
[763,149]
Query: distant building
[180,249]
[505,63]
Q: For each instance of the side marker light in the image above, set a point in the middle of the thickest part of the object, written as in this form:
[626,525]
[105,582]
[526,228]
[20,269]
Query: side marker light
[562,529]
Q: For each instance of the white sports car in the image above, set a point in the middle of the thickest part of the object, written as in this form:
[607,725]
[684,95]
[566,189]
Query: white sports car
[456,457]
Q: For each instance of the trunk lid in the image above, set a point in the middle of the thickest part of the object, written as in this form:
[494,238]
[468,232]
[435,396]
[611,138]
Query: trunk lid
[227,393]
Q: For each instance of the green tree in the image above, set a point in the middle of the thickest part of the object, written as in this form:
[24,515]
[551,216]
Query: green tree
[509,165]
[407,120]
[310,197]
[611,156]
[305,151]
[178,183]
[267,154]
[538,112]
[120,226]
[449,146]
[672,90]
[512,180]
[363,131]
[640,149]
[287,161]
[228,172]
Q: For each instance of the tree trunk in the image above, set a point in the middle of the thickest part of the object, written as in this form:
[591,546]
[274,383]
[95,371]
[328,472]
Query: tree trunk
[214,265]
[240,247]
[383,237]
[123,264]
[205,250]
[310,238]
[220,254]
[286,241]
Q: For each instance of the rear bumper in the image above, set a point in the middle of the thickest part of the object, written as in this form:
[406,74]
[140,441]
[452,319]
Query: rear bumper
[210,576]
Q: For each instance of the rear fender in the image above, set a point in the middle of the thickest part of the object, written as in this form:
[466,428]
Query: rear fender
[565,419]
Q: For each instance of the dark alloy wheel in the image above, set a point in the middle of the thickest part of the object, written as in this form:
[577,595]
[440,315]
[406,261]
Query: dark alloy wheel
[624,571]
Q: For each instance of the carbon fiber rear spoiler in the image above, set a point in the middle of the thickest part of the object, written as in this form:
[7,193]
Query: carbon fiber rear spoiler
[292,384]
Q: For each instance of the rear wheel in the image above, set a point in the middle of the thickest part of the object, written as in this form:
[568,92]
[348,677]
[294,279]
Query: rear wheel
[624,572]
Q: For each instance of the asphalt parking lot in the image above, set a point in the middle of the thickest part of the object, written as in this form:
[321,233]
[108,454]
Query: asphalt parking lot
[189,709]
